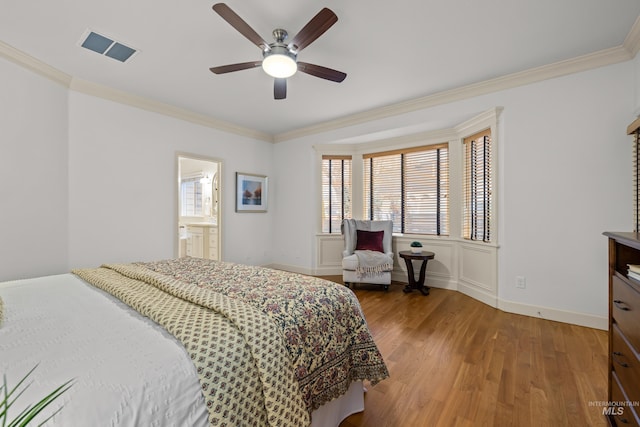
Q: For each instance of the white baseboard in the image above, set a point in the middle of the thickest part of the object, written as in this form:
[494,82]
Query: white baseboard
[432,280]
[573,318]
[477,293]
[328,271]
[580,319]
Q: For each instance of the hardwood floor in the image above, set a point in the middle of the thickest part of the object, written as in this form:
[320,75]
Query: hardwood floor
[454,361]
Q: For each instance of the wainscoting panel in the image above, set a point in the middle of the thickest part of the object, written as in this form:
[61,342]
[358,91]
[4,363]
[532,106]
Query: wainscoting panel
[329,254]
[478,272]
[468,267]
[441,271]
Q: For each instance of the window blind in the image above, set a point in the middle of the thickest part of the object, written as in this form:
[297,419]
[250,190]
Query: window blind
[409,187]
[191,194]
[477,187]
[336,192]
[636,179]
[634,129]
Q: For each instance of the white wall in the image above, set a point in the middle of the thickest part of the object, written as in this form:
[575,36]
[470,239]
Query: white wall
[33,174]
[572,129]
[296,221]
[575,127]
[122,191]
[86,181]
[120,201]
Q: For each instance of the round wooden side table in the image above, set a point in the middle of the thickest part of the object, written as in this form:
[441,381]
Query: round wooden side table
[408,257]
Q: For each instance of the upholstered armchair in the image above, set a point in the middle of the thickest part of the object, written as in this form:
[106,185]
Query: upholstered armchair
[367,255]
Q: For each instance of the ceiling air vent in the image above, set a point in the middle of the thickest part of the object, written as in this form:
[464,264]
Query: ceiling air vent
[106,46]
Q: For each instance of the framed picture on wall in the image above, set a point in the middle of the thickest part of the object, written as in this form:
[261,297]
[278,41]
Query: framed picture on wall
[251,192]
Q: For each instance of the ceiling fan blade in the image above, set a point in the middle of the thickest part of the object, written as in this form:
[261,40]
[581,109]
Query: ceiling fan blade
[223,69]
[279,88]
[322,72]
[238,23]
[314,29]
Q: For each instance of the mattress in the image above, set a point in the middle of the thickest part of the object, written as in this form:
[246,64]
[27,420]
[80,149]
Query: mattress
[127,370]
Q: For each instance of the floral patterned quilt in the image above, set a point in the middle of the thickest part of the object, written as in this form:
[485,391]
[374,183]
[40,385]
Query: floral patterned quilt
[269,346]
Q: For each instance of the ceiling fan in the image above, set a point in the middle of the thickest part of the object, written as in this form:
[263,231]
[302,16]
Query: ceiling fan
[280,59]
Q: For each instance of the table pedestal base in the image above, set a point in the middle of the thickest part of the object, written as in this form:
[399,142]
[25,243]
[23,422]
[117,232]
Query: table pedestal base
[413,283]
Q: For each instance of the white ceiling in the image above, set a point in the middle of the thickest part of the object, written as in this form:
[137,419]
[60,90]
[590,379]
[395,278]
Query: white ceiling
[392,51]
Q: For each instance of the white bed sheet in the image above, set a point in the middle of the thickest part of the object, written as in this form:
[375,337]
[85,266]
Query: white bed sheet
[128,370]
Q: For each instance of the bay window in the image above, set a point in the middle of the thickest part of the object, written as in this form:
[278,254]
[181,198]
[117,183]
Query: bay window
[336,192]
[478,187]
[410,187]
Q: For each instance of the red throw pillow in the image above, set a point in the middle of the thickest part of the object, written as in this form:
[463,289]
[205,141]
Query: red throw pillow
[370,241]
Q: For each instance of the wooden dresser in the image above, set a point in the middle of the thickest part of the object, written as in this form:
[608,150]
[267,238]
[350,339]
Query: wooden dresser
[624,330]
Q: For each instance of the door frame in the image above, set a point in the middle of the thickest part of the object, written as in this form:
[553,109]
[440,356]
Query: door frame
[218,192]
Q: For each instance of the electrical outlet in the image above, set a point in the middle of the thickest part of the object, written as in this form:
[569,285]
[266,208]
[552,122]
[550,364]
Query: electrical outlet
[521,282]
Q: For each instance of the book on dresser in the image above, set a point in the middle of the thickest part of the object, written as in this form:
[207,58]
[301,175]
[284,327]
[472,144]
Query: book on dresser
[624,329]
[633,272]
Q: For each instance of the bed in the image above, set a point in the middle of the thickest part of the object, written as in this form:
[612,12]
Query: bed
[189,342]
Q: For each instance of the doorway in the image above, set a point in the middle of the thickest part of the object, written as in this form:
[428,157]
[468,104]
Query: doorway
[199,213]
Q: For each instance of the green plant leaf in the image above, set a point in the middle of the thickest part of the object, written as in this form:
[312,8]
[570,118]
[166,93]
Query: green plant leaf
[32,410]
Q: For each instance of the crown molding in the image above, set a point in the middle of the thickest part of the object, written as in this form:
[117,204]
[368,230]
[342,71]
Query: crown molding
[632,41]
[394,142]
[459,131]
[624,52]
[479,122]
[147,104]
[582,63]
[29,62]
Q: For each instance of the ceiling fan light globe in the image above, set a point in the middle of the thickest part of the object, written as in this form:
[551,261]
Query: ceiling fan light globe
[279,65]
